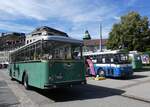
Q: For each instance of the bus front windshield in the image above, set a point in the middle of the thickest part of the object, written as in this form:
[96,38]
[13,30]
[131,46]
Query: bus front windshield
[58,50]
[121,58]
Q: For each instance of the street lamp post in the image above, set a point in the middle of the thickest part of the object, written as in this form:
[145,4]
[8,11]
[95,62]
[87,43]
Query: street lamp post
[100,44]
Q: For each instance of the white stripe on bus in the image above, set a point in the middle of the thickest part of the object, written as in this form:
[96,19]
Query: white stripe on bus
[114,65]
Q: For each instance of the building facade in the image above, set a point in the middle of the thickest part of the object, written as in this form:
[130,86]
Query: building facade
[4,58]
[43,31]
[11,40]
[94,45]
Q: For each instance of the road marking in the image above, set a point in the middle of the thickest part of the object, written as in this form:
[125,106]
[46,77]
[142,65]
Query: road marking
[134,84]
[3,87]
[135,98]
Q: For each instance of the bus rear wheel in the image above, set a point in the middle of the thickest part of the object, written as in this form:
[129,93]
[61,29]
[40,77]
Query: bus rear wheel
[101,73]
[25,81]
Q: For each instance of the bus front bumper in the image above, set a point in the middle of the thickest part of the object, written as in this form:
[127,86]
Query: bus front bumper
[64,84]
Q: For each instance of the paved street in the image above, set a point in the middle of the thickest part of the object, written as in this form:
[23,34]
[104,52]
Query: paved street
[105,93]
[7,97]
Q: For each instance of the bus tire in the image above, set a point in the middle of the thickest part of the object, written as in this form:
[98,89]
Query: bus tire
[101,73]
[25,81]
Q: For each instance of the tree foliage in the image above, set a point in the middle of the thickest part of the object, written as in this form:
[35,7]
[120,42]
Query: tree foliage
[131,33]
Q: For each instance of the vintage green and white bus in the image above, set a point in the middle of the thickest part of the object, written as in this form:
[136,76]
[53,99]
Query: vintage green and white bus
[50,62]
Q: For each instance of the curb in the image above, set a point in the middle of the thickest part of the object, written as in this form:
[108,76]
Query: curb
[136,98]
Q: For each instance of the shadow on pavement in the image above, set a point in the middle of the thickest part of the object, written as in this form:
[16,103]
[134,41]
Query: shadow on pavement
[135,76]
[78,93]
[145,69]
[138,76]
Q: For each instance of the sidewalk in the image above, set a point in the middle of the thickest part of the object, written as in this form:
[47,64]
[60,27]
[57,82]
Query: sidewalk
[18,94]
[7,97]
[137,88]
[139,92]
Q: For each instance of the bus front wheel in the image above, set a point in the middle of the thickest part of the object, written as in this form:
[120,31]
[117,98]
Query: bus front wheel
[101,73]
[25,81]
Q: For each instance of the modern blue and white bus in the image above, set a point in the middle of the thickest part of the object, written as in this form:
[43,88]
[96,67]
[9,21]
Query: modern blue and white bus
[111,63]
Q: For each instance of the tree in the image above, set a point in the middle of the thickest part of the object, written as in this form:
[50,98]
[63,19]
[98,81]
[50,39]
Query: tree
[131,33]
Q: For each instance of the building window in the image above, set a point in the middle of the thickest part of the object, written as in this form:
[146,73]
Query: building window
[27,41]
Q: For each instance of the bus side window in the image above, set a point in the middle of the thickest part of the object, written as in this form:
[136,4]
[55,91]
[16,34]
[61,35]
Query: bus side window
[47,51]
[111,60]
[27,57]
[94,59]
[20,56]
[103,60]
[13,58]
[99,58]
[38,52]
[32,52]
[107,58]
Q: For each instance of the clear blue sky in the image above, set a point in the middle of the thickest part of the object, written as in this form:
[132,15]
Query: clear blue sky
[71,16]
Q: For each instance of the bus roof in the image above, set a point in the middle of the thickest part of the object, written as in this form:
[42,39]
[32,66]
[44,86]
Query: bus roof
[53,38]
[62,39]
[106,52]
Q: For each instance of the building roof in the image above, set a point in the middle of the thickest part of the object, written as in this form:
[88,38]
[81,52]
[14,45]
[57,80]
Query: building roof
[48,29]
[94,42]
[11,33]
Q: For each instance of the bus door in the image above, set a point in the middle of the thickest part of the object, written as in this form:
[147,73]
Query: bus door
[15,70]
[112,64]
[108,65]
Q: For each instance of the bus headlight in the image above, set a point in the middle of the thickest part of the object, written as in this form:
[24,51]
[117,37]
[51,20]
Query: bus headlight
[59,77]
